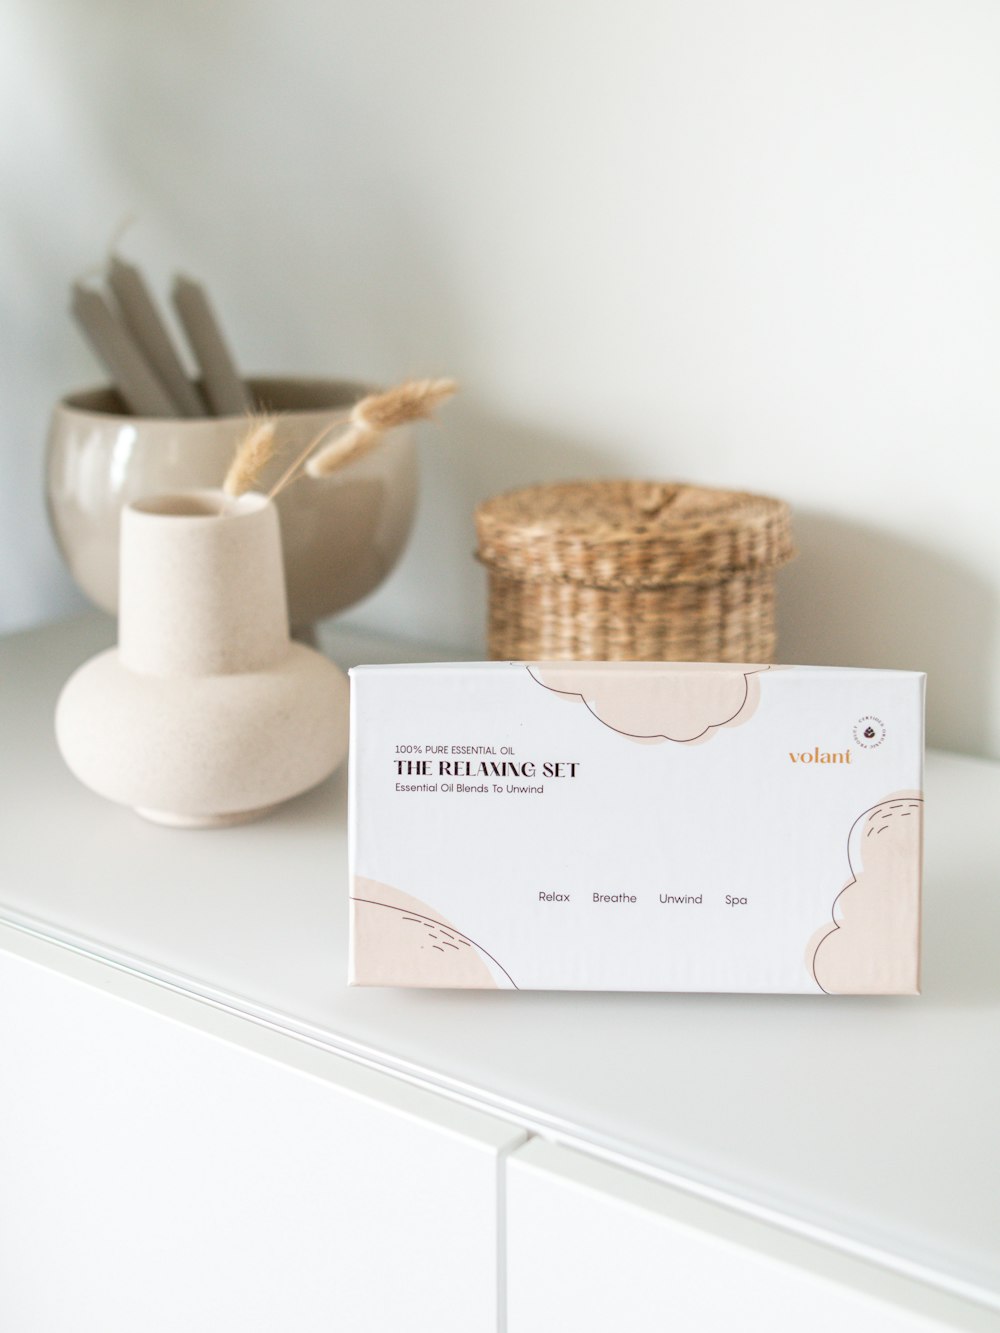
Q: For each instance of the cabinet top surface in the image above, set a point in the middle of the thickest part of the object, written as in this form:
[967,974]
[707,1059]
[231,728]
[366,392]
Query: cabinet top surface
[873,1121]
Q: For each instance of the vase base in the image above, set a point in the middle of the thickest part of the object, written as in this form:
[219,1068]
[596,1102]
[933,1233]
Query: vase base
[172,820]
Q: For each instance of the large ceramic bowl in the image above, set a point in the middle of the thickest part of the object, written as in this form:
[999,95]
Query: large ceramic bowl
[341,535]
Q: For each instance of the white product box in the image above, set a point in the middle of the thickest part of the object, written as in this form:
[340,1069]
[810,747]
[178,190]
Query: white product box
[636,826]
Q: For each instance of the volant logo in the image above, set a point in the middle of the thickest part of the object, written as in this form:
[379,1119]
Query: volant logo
[818,756]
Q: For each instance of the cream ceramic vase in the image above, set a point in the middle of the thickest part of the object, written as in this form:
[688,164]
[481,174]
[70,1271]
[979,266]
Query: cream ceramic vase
[206,713]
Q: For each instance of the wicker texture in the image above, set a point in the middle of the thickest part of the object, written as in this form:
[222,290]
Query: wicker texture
[632,571]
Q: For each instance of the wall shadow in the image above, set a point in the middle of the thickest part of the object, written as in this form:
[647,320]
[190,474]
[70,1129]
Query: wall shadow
[858,596]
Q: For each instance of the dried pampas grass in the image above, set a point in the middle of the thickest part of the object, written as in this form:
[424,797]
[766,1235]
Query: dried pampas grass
[413,400]
[252,456]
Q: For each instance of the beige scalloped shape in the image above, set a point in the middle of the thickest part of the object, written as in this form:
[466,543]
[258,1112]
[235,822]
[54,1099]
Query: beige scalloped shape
[687,704]
[873,946]
[399,941]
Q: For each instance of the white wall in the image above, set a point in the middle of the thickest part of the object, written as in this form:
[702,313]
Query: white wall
[752,244]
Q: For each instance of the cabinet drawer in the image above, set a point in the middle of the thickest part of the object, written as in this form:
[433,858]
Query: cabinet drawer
[593,1247]
[168,1166]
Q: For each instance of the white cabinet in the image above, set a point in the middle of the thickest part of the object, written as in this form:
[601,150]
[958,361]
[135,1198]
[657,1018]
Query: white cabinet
[203,1129]
[593,1248]
[158,1176]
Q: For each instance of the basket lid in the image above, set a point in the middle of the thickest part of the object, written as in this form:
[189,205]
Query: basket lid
[631,533]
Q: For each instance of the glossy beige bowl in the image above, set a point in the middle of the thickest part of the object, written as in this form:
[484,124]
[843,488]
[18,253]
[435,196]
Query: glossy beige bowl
[341,535]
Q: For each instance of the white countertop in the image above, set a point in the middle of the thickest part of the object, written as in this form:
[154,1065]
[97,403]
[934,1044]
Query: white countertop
[871,1122]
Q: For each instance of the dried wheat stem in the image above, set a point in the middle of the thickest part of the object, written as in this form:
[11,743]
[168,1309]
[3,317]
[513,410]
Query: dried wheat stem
[286,477]
[369,420]
[252,455]
[373,416]
[410,401]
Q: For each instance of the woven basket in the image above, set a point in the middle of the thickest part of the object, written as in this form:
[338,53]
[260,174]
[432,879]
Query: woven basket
[632,571]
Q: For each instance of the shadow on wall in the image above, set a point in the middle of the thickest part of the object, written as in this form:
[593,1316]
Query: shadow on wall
[857,596]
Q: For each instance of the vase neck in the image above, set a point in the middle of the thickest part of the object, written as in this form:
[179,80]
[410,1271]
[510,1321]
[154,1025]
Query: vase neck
[202,588]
